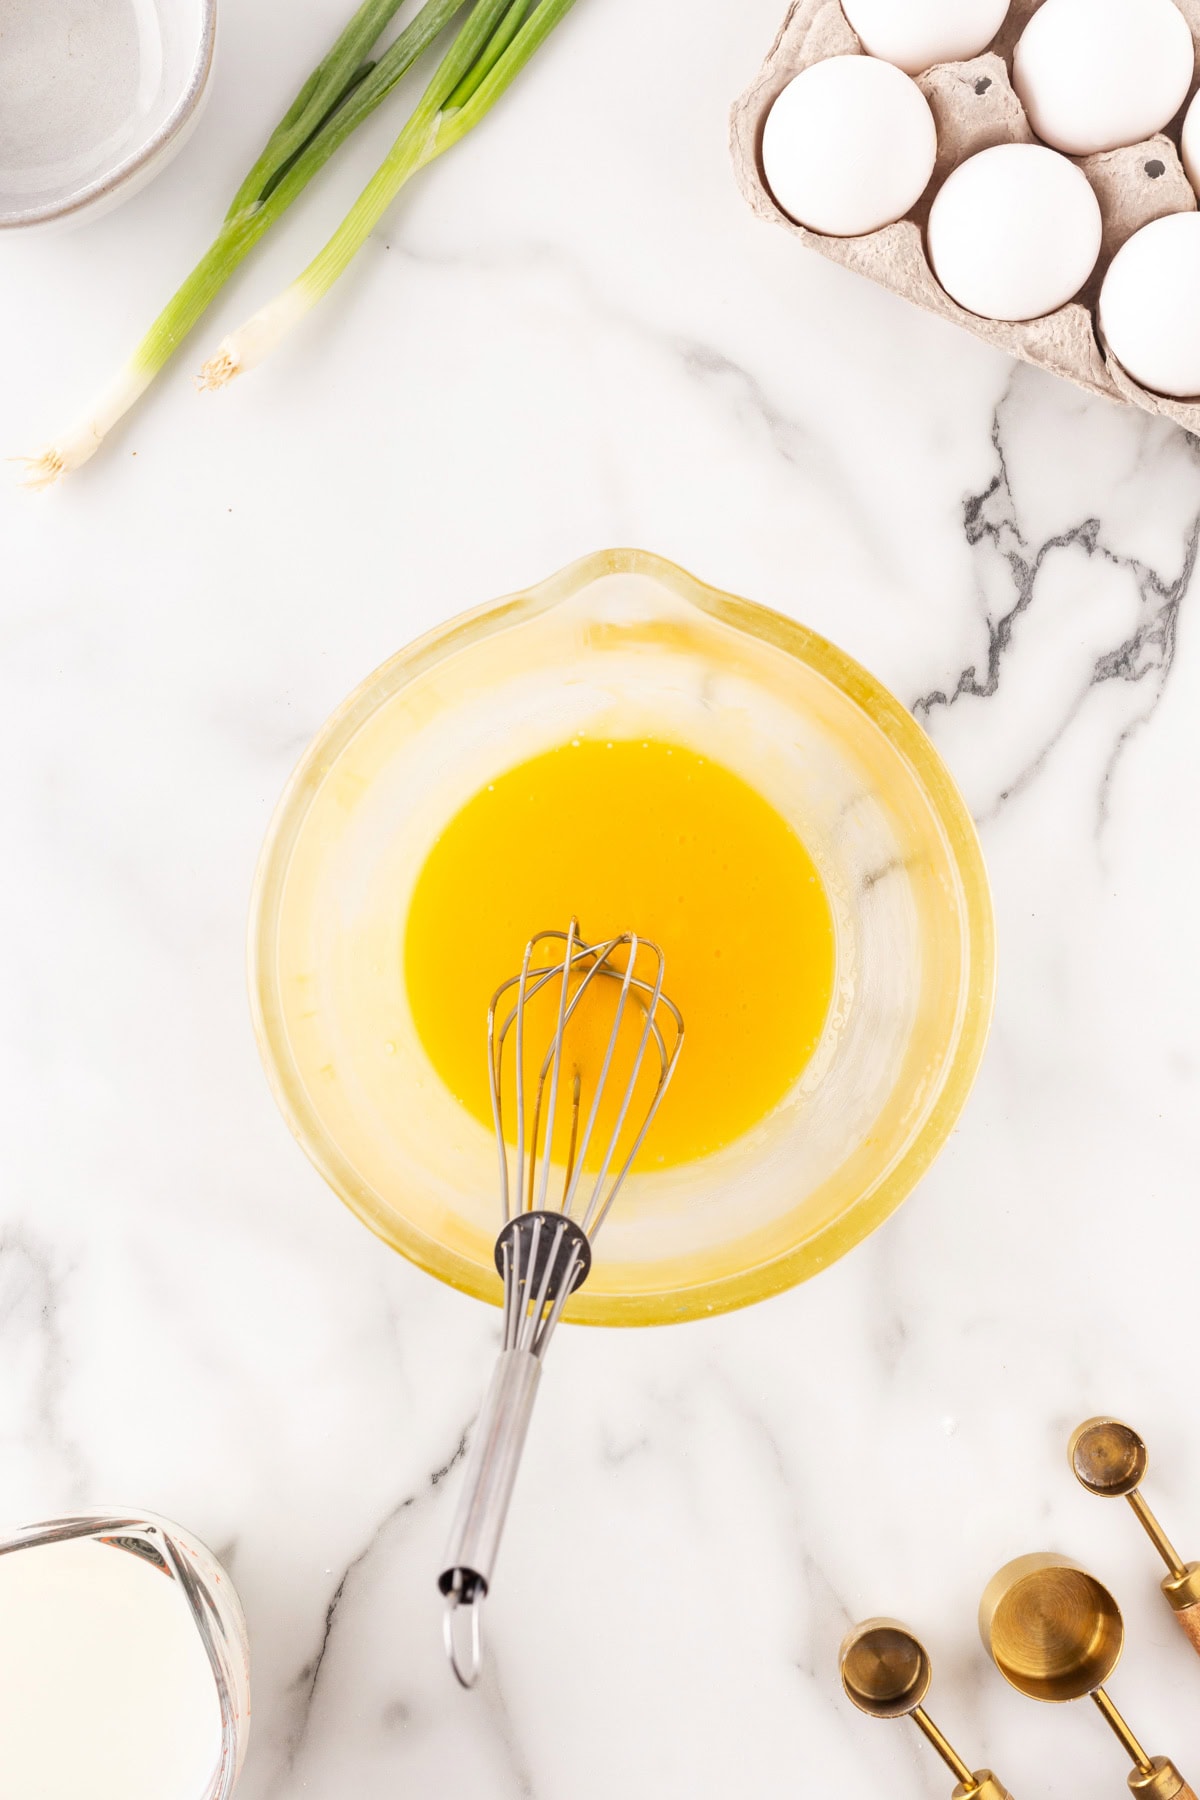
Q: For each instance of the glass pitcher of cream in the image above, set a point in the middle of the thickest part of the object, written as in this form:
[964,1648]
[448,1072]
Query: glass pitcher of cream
[124,1664]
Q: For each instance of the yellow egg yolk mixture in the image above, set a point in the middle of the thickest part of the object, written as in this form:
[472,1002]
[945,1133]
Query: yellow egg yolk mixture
[644,836]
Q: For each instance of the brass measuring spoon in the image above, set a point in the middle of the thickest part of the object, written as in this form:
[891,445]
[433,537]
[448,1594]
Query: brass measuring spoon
[1110,1459]
[1055,1633]
[886,1672]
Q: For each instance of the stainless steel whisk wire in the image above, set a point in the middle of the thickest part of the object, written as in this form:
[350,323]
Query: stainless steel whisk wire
[543,1252]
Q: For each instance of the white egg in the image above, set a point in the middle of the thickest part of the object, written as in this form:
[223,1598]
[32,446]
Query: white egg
[1097,74]
[1150,306]
[1014,232]
[915,34]
[849,146]
[1191,143]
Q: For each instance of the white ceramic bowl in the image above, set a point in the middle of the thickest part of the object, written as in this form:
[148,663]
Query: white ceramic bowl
[94,100]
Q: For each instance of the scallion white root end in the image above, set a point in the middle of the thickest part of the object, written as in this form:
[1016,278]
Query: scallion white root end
[218,371]
[252,342]
[44,469]
[75,447]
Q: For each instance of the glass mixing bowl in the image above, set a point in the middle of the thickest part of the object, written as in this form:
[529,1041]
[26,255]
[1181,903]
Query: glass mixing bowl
[624,644]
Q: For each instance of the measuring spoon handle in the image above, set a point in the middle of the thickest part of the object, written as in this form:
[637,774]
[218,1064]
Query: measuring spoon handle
[1162,1782]
[1189,1621]
[1183,1592]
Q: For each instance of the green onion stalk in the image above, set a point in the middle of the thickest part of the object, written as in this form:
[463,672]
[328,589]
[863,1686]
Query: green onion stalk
[342,91]
[491,47]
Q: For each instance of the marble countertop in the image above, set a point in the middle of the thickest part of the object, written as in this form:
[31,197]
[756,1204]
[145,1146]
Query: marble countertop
[570,334]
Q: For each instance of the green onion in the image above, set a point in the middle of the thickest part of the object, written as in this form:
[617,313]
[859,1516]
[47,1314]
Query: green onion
[342,91]
[492,46]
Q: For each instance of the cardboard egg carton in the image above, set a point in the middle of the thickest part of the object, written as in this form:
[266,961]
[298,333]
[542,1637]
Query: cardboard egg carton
[975,106]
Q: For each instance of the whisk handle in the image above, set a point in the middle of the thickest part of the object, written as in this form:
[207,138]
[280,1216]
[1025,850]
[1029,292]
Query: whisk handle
[492,1465]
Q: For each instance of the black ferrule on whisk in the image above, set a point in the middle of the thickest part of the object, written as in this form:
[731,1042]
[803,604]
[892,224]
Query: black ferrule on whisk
[535,1240]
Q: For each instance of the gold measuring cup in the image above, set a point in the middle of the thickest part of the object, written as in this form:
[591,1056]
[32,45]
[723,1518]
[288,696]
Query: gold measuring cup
[886,1672]
[1055,1633]
[1110,1459]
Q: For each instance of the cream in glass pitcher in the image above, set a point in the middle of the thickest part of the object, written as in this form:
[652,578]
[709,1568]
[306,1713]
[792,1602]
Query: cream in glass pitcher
[123,1664]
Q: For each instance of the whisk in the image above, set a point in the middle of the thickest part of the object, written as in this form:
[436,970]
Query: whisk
[551,1213]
